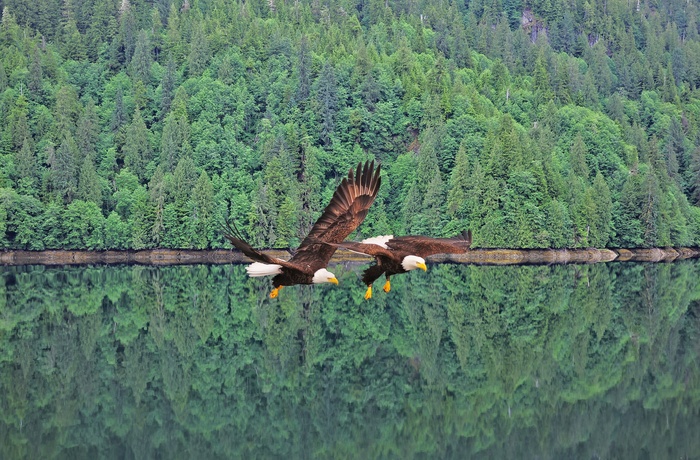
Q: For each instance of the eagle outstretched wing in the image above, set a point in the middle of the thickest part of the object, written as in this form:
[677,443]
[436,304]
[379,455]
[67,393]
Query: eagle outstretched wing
[232,234]
[344,213]
[424,246]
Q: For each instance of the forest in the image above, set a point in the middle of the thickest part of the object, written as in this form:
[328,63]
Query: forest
[181,362]
[133,124]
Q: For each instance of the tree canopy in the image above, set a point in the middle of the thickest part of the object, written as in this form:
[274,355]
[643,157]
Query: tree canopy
[535,124]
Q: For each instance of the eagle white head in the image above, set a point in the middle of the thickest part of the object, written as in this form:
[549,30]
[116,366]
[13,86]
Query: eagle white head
[412,262]
[324,276]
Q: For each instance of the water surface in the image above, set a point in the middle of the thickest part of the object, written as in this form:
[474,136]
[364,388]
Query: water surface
[186,362]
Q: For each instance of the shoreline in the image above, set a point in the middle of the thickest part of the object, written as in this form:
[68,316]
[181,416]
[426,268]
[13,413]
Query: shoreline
[227,256]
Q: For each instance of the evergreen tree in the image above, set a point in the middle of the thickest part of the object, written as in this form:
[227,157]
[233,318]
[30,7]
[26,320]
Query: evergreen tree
[64,168]
[304,66]
[67,110]
[89,187]
[137,148]
[88,130]
[458,186]
[578,155]
[650,209]
[328,102]
[202,209]
[127,29]
[73,46]
[25,168]
[198,57]
[140,65]
[695,177]
[118,115]
[36,75]
[602,221]
[156,190]
[168,88]
[18,123]
[176,132]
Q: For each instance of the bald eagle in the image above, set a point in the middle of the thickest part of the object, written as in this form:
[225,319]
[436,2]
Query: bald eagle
[395,255]
[345,212]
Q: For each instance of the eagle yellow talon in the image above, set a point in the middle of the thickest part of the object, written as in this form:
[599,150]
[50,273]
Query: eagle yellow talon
[275,292]
[368,294]
[387,286]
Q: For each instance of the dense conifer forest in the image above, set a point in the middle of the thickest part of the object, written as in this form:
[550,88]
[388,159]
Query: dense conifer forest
[536,123]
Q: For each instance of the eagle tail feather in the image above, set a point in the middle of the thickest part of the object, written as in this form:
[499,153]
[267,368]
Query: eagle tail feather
[260,269]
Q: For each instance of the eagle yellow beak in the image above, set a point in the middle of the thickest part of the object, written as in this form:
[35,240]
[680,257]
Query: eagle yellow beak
[422,266]
[333,280]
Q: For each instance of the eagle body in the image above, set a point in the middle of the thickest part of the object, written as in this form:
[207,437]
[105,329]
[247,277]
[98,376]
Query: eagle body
[396,255]
[384,265]
[345,212]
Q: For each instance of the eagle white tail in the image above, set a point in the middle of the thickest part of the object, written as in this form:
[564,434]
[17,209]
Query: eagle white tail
[378,240]
[261,269]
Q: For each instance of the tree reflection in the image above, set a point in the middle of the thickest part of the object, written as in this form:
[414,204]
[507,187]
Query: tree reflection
[191,361]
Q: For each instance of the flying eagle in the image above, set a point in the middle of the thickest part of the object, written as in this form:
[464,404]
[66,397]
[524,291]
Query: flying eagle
[345,212]
[395,255]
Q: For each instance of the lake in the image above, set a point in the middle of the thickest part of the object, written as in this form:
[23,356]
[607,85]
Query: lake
[196,361]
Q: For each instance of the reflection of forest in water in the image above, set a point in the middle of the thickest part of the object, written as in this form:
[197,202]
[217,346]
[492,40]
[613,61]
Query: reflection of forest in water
[197,362]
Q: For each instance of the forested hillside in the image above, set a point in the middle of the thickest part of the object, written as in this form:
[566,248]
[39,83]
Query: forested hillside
[541,123]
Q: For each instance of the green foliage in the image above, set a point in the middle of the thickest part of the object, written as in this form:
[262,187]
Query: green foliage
[551,361]
[583,135]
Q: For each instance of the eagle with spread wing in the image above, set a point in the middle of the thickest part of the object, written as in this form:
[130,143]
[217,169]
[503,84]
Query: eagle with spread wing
[345,212]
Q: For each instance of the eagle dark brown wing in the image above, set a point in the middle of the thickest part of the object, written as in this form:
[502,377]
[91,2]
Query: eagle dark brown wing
[424,246]
[344,213]
[234,236]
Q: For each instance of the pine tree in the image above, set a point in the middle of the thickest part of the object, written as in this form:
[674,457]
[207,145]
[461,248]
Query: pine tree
[72,41]
[167,87]
[156,190]
[66,110]
[119,113]
[89,188]
[137,148]
[140,65]
[328,101]
[650,209]
[695,176]
[36,75]
[176,134]
[304,66]
[102,27]
[184,180]
[199,55]
[26,169]
[202,209]
[601,195]
[64,169]
[541,79]
[173,36]
[127,29]
[578,153]
[88,130]
[3,77]
[458,186]
[18,123]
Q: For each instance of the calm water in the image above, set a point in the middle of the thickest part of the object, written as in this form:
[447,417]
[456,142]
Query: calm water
[189,362]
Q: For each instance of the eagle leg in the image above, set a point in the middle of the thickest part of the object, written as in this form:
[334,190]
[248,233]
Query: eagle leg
[368,294]
[387,285]
[275,292]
